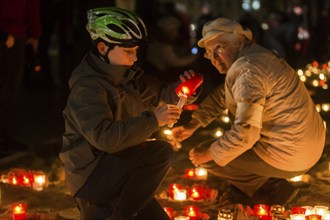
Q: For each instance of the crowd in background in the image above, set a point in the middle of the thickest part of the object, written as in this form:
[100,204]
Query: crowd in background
[64,40]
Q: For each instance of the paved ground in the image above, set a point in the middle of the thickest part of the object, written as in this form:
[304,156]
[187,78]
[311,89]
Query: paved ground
[38,122]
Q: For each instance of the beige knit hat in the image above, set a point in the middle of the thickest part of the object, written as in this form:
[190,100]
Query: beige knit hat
[219,26]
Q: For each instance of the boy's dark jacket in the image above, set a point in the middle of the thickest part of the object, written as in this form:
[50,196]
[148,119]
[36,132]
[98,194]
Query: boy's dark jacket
[109,109]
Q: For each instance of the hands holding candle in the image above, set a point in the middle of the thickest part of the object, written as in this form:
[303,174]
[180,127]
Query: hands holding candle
[190,83]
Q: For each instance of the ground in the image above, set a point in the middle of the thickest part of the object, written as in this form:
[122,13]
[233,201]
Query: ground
[38,122]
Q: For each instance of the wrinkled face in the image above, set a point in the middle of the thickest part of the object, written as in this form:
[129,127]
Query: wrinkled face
[123,56]
[221,53]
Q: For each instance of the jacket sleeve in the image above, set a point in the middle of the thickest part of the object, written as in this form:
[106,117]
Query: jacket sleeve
[249,95]
[213,105]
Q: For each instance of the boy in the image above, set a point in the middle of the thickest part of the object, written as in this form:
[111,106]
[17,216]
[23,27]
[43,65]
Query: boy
[111,168]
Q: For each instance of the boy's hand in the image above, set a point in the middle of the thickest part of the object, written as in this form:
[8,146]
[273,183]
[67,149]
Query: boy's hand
[168,114]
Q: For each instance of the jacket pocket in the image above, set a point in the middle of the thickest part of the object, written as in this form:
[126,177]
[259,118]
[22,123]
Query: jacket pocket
[76,153]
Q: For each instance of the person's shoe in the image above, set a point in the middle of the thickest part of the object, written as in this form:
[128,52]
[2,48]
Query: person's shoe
[275,192]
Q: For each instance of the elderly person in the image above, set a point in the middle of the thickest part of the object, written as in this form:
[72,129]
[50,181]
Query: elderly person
[277,132]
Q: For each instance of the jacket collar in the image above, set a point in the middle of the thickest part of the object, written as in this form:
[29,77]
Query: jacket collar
[117,74]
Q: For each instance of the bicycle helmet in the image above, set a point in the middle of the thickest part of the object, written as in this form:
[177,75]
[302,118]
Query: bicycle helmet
[116,26]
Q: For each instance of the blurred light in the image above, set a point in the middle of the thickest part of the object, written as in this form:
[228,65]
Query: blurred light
[325,107]
[303,78]
[264,26]
[225,119]
[194,50]
[246,6]
[318,107]
[167,131]
[256,4]
[315,83]
[300,72]
[218,132]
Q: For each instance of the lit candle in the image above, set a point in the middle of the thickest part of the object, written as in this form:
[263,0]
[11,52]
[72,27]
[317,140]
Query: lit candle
[201,173]
[192,212]
[39,182]
[174,187]
[261,211]
[314,217]
[297,217]
[277,208]
[186,89]
[190,173]
[309,210]
[169,212]
[321,210]
[195,193]
[180,195]
[225,214]
[19,211]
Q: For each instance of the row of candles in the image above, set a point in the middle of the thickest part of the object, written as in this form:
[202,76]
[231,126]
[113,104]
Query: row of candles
[20,177]
[35,179]
[277,212]
[261,211]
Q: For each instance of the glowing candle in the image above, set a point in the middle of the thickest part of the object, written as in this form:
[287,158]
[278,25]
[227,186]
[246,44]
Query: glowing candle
[169,212]
[195,193]
[180,195]
[19,211]
[225,214]
[314,217]
[297,217]
[39,182]
[186,89]
[277,208]
[174,187]
[192,212]
[309,210]
[169,133]
[201,173]
[190,173]
[261,211]
[320,210]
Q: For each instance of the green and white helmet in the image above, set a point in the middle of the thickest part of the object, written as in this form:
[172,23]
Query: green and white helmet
[116,26]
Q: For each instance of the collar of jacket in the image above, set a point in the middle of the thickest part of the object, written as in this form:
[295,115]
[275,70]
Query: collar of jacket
[117,74]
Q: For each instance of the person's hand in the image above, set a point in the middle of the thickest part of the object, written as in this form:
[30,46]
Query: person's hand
[181,133]
[187,74]
[167,114]
[34,43]
[199,156]
[10,41]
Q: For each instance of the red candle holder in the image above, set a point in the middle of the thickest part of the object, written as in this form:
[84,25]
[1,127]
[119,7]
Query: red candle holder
[261,211]
[298,210]
[190,173]
[169,212]
[188,87]
[196,193]
[19,211]
[192,212]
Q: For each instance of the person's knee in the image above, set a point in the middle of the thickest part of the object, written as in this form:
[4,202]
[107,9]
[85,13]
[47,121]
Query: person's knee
[162,151]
